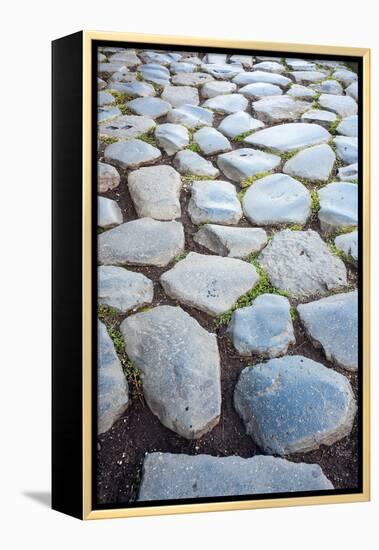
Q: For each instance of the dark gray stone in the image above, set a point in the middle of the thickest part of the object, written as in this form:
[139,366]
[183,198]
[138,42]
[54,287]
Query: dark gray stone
[108,212]
[214,201]
[131,154]
[172,137]
[191,116]
[152,107]
[126,127]
[107,177]
[122,289]
[211,142]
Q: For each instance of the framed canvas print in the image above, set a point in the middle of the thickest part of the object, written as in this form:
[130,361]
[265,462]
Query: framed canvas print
[210,275]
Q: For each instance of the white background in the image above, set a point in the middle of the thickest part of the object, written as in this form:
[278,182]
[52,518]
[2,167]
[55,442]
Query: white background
[27,29]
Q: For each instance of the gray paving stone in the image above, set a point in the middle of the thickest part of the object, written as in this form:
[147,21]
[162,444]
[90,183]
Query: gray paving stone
[122,76]
[180,95]
[127,58]
[352,90]
[216,88]
[245,60]
[264,328]
[123,289]
[226,103]
[133,89]
[328,87]
[261,76]
[293,404]
[276,199]
[153,72]
[131,154]
[156,57]
[108,212]
[313,164]
[246,162]
[332,324]
[300,263]
[191,79]
[177,67]
[348,173]
[301,92]
[107,69]
[209,283]
[346,148]
[289,137]
[101,84]
[107,113]
[107,177]
[126,127]
[217,58]
[257,90]
[180,367]
[211,142]
[234,242]
[348,126]
[222,71]
[273,110]
[190,163]
[191,115]
[342,105]
[300,64]
[348,244]
[345,76]
[338,206]
[214,201]
[172,137]
[307,77]
[105,98]
[323,118]
[141,242]
[239,123]
[152,107]
[270,66]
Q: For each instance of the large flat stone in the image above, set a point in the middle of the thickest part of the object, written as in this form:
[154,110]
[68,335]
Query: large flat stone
[279,109]
[246,162]
[226,103]
[332,324]
[352,90]
[214,201]
[258,90]
[126,127]
[338,206]
[167,476]
[134,89]
[275,199]
[348,126]
[191,79]
[217,87]
[190,163]
[270,66]
[323,118]
[306,77]
[222,70]
[239,123]
[346,148]
[348,173]
[180,367]
[293,404]
[180,95]
[342,105]
[328,87]
[107,113]
[172,137]
[243,79]
[191,116]
[234,242]
[289,137]
[107,177]
[131,154]
[301,92]
[155,192]
[313,164]
[108,212]
[211,142]
[263,328]
[300,263]
[345,76]
[152,107]
[348,244]
[141,242]
[209,283]
[153,72]
[123,289]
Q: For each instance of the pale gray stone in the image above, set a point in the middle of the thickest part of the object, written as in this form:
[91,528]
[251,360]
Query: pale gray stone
[307,77]
[127,58]
[300,64]
[348,173]
[323,118]
[279,109]
[126,127]
[346,148]
[338,206]
[180,367]
[348,244]
[131,154]
[352,90]
[289,137]
[300,263]
[190,163]
[222,71]
[152,107]
[107,177]
[313,164]
[108,212]
[191,115]
[157,58]
[340,104]
[134,89]
[246,162]
[101,84]
[112,390]
[264,328]
[217,58]
[216,88]
[177,67]
[191,79]
[214,201]
[239,123]
[270,66]
[167,476]
[122,289]
[293,404]
[276,199]
[155,192]
[141,242]
[153,72]
[301,92]
[107,113]
[122,76]
[257,90]
[209,283]
[234,242]
[244,60]
[180,95]
[107,69]
[332,324]
[348,126]
[210,141]
[328,87]
[101,58]
[261,76]
[226,103]
[345,76]
[193,59]
[172,137]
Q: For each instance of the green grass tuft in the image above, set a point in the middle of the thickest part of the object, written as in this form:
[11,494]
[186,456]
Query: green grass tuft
[333,126]
[148,138]
[194,177]
[108,140]
[246,182]
[180,257]
[293,313]
[295,227]
[193,147]
[315,203]
[241,137]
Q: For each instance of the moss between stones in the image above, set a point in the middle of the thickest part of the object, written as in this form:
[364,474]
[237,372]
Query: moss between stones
[246,182]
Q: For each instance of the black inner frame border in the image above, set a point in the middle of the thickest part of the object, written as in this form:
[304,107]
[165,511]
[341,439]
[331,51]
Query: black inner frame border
[95,44]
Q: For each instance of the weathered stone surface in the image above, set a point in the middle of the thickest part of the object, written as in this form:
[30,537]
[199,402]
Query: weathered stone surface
[191,115]
[245,60]
[301,92]
[180,367]
[127,58]
[209,283]
[134,89]
[126,127]
[313,164]
[300,64]
[338,206]
[101,84]
[180,95]
[306,77]
[348,126]
[217,58]
[270,66]
[263,328]
[214,201]
[245,162]
[106,69]
[108,212]
[227,103]
[300,263]
[340,104]
[191,79]
[277,198]
[210,141]
[152,107]
[345,76]
[157,57]
[293,404]
[113,390]
[348,173]
[279,109]
[188,162]
[123,76]
[122,289]
[346,148]
[332,324]
[155,192]
[222,71]
[217,87]
[260,76]
[105,98]
[348,244]
[153,72]
[131,154]
[239,123]
[288,137]
[172,137]
[177,67]
[257,90]
[352,90]
[107,177]
[328,87]
[323,118]
[141,242]
[107,113]
[167,476]
[234,242]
